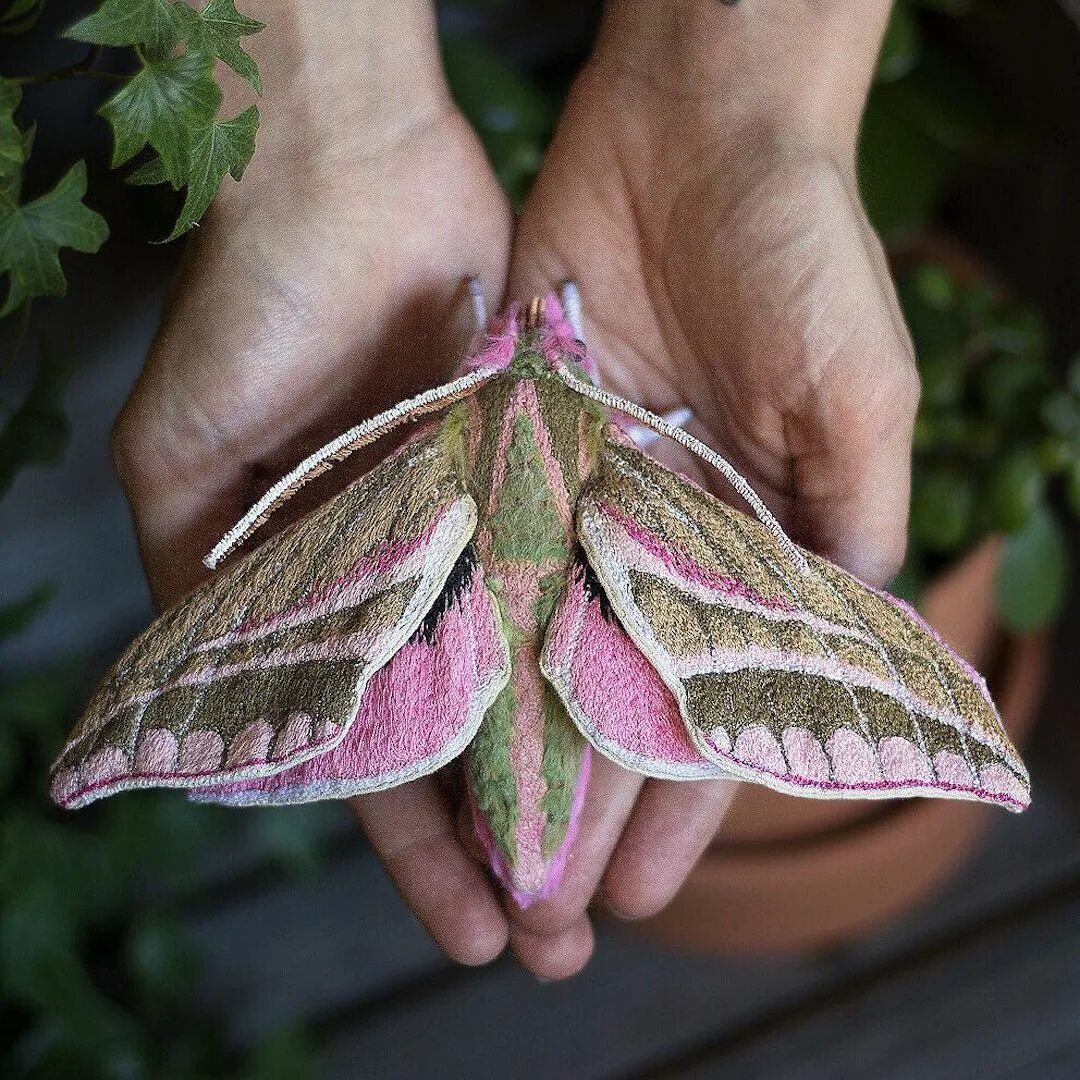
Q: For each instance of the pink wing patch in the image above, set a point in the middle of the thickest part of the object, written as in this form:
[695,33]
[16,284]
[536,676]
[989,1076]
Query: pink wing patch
[612,692]
[417,714]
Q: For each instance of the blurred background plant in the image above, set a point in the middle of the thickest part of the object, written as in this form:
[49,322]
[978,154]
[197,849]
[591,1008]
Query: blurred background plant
[98,977]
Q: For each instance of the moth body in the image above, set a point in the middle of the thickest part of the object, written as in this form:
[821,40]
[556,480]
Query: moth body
[517,586]
[532,445]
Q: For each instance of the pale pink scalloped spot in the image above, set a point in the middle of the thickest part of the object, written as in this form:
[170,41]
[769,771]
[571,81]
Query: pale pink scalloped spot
[326,731]
[852,758]
[156,752]
[903,760]
[106,765]
[805,755]
[998,780]
[64,786]
[953,769]
[719,739]
[294,736]
[200,752]
[757,747]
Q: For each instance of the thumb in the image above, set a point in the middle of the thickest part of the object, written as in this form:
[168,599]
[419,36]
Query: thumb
[851,448]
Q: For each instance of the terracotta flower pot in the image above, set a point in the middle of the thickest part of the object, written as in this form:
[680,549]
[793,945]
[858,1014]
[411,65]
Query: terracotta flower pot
[790,874]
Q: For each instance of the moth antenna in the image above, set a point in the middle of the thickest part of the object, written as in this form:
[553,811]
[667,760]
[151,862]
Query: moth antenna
[644,436]
[479,304]
[340,448]
[570,298]
[695,446]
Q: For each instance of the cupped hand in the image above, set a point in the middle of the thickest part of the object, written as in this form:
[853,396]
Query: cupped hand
[317,292]
[709,212]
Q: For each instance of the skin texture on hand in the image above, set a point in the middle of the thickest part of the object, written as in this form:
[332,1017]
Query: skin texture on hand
[700,188]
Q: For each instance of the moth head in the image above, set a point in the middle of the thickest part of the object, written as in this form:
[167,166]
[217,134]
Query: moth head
[547,340]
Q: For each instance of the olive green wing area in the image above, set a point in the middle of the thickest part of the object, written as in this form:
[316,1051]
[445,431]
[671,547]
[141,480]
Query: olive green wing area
[263,666]
[808,682]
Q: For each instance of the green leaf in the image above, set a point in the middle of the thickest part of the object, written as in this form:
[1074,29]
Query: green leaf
[1031,579]
[284,1055]
[151,23]
[36,432]
[32,234]
[13,149]
[216,30]
[151,171]
[936,286]
[1072,487]
[1061,414]
[941,510]
[20,15]
[510,113]
[166,105]
[1016,491]
[900,48]
[161,960]
[1007,381]
[222,147]
[903,172]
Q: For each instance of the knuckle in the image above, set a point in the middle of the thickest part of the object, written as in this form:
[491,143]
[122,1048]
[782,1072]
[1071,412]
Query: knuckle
[126,443]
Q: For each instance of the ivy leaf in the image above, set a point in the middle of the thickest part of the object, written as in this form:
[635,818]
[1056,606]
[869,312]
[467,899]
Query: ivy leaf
[216,30]
[223,147]
[32,234]
[166,105]
[12,145]
[37,431]
[151,171]
[1032,577]
[20,15]
[151,23]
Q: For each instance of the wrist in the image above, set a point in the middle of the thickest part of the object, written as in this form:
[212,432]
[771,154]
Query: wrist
[346,65]
[800,70]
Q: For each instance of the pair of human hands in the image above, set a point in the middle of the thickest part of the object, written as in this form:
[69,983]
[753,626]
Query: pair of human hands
[700,189]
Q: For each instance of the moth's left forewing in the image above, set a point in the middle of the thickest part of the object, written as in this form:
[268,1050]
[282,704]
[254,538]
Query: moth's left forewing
[263,666]
[808,682]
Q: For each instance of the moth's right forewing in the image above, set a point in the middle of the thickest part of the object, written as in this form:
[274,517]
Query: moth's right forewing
[797,677]
[263,666]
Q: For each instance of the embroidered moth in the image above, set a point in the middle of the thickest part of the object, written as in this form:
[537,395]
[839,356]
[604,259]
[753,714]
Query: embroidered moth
[516,586]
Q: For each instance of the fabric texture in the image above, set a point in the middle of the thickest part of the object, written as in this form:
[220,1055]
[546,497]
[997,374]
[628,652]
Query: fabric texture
[810,683]
[516,586]
[264,665]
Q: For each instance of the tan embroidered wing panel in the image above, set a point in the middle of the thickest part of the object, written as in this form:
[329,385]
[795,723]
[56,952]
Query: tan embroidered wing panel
[263,665]
[810,683]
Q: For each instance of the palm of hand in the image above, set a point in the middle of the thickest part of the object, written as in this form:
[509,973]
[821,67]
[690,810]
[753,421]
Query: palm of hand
[723,272]
[321,291]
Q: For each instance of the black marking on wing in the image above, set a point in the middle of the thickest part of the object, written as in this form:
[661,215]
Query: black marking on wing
[459,580]
[594,590]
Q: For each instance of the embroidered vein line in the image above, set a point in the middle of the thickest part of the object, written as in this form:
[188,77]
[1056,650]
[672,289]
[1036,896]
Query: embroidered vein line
[348,441]
[695,446]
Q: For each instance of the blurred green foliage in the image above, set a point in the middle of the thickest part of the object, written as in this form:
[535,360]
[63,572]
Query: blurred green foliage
[997,440]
